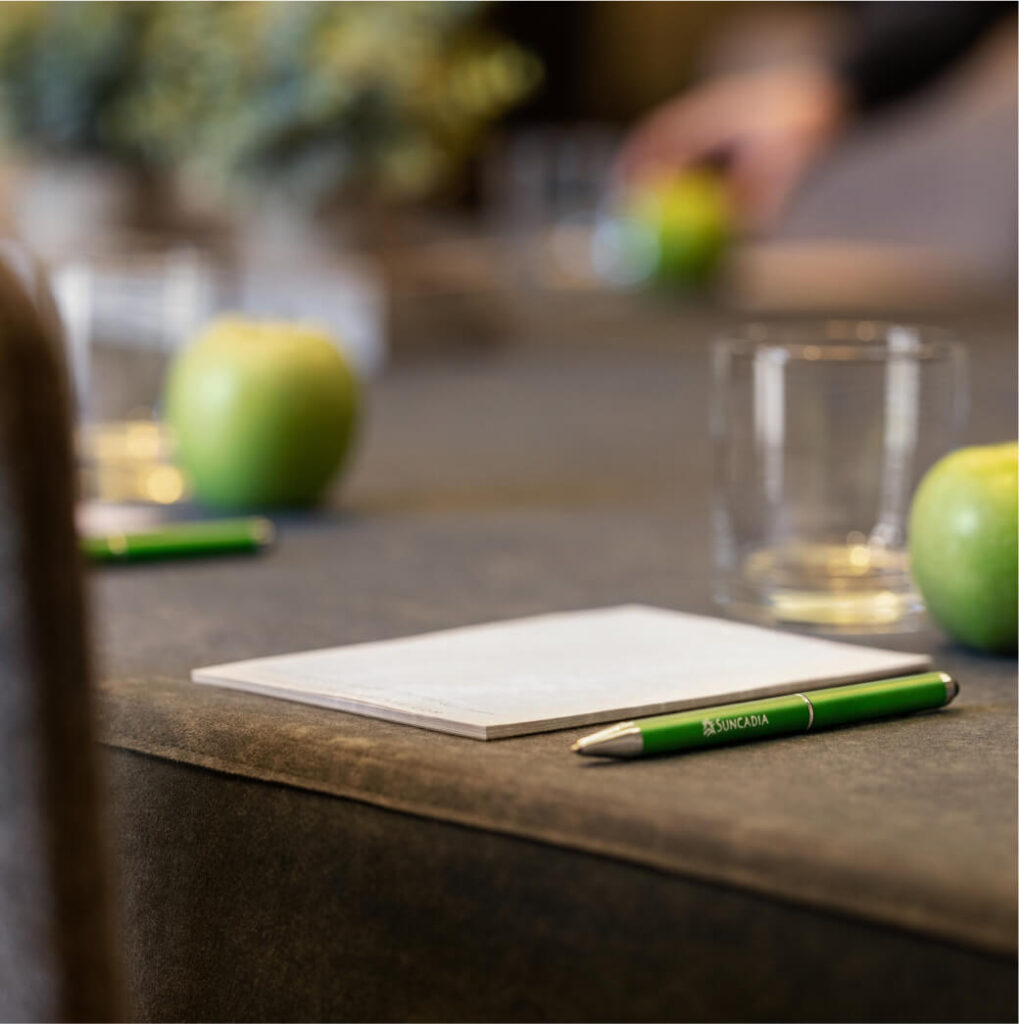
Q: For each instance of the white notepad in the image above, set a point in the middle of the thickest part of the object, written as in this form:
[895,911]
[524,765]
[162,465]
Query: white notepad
[555,671]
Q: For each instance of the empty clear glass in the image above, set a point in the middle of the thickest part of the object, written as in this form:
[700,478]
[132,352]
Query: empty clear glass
[821,433]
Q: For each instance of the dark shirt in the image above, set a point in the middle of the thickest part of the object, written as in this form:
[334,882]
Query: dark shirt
[897,48]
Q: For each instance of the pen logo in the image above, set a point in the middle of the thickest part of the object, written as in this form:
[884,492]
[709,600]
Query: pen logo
[711,726]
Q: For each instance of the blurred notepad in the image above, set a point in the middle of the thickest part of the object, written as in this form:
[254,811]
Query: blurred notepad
[555,671]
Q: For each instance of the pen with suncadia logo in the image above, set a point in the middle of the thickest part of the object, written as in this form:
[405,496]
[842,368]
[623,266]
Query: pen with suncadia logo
[771,716]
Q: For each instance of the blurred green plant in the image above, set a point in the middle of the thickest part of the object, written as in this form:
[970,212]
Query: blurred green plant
[316,97]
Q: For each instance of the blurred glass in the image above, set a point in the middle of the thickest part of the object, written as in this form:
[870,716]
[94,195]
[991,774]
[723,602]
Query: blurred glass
[129,311]
[821,434]
[124,315]
[545,193]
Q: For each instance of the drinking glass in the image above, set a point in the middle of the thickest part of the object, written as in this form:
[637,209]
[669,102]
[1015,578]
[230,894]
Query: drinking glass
[124,314]
[821,433]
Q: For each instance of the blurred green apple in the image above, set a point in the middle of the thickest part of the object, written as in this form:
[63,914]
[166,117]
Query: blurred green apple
[962,544]
[263,413]
[678,228]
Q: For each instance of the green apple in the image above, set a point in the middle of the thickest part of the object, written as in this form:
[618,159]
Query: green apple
[962,544]
[679,227]
[263,413]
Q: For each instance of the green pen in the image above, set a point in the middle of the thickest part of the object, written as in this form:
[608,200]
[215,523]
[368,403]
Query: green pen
[771,716]
[181,540]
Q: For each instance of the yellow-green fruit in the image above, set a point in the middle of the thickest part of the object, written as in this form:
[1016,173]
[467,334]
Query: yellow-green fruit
[682,226]
[963,548]
[263,413]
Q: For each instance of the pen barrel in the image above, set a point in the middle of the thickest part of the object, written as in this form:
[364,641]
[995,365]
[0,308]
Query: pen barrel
[176,540]
[842,705]
[731,723]
[809,710]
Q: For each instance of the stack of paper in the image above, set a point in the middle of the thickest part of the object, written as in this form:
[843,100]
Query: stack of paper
[556,671]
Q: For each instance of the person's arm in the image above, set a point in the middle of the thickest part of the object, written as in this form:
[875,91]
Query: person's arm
[897,48]
[765,128]
[769,127]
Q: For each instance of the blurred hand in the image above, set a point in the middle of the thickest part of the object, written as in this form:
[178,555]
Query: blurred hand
[766,128]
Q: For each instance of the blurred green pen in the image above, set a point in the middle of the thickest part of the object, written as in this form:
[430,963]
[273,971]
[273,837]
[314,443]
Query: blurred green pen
[771,716]
[181,540]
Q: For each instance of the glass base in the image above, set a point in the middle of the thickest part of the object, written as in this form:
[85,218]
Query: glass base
[128,461]
[836,588]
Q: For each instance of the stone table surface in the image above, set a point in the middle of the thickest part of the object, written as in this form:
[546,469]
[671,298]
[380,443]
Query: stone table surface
[569,470]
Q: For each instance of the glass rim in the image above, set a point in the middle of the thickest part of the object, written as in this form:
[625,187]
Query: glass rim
[841,340]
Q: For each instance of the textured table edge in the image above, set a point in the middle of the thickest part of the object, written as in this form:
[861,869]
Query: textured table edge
[980,931]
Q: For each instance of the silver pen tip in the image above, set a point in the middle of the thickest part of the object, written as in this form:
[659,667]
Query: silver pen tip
[622,740]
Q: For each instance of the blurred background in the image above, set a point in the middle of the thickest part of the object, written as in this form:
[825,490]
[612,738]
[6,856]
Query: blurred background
[424,176]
